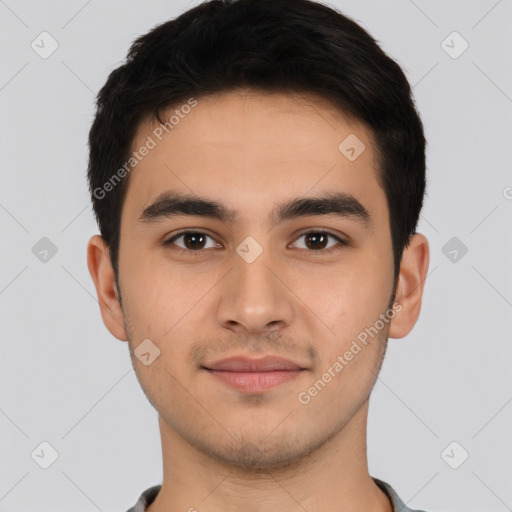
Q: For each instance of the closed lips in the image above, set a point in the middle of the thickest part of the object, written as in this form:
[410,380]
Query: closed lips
[244,364]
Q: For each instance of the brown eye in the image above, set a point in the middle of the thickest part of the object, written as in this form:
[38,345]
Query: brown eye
[318,240]
[192,241]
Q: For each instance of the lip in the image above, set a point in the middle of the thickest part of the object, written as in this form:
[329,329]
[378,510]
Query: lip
[254,375]
[246,364]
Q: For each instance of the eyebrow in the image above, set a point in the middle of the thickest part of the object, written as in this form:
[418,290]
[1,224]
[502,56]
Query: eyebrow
[170,204]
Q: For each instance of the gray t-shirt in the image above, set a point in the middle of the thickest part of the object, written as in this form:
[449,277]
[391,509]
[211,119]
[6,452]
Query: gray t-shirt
[149,495]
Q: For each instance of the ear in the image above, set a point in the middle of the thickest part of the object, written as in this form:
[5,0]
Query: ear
[411,280]
[102,273]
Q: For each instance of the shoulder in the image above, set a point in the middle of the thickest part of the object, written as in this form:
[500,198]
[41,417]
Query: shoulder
[398,504]
[146,498]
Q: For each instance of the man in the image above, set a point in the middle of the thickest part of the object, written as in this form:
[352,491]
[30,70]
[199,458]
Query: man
[257,170]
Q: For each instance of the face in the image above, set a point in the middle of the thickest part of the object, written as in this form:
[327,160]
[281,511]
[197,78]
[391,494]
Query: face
[268,269]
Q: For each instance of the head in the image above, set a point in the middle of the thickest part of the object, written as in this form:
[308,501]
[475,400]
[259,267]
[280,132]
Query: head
[266,120]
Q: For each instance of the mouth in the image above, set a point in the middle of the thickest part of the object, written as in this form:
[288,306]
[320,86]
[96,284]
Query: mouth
[254,375]
[255,381]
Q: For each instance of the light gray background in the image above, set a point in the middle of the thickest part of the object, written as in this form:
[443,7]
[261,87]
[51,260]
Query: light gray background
[65,380]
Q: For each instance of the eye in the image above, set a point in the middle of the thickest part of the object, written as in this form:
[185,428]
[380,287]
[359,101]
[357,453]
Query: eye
[316,241]
[193,241]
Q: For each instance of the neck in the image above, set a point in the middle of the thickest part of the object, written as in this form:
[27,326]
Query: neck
[334,477]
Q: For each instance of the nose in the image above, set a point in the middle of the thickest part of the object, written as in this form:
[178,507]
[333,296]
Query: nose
[254,297]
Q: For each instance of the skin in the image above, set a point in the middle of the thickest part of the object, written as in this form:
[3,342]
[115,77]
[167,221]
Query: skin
[224,449]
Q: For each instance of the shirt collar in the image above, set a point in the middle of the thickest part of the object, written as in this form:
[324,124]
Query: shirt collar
[149,495]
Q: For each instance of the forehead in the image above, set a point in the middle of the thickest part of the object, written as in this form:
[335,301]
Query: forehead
[251,150]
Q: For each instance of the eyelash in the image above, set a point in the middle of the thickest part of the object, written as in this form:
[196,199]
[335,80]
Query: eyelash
[199,252]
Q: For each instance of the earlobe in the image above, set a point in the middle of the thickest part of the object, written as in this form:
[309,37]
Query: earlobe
[411,281]
[102,273]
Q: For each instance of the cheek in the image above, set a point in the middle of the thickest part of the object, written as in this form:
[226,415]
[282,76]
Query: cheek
[161,294]
[345,299]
